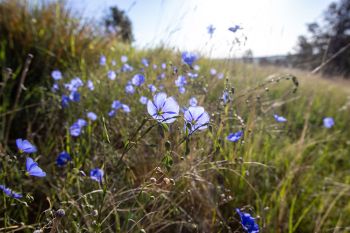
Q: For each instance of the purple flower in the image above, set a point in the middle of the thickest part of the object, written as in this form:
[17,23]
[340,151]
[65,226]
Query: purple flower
[124,59]
[211,30]
[163,66]
[189,58]
[162,108]
[81,122]
[96,174]
[92,116]
[111,75]
[154,66]
[212,71]
[129,89]
[152,88]
[328,122]
[248,222]
[56,75]
[279,118]
[197,118]
[33,169]
[10,193]
[143,100]
[74,96]
[74,84]
[103,60]
[196,67]
[24,146]
[234,137]
[90,85]
[193,102]
[138,80]
[63,158]
[114,63]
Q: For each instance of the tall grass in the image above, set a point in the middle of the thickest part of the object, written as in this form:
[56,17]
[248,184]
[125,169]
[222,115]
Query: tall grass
[292,176]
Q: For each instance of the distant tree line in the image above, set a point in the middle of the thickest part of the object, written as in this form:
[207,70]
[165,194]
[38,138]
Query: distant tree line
[327,48]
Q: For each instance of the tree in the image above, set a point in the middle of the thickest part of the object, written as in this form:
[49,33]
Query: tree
[328,47]
[119,24]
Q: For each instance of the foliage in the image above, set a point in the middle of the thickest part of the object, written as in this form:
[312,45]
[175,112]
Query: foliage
[328,42]
[118,24]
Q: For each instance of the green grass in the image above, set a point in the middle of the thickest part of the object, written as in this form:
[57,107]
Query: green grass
[292,176]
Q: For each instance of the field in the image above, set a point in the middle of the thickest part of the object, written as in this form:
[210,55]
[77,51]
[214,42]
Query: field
[133,168]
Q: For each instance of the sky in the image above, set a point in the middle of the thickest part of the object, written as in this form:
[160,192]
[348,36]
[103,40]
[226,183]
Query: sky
[270,27]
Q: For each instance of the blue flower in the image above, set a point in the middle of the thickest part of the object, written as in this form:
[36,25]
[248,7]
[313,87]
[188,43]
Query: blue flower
[129,88]
[248,222]
[33,169]
[75,130]
[112,113]
[234,28]
[212,71]
[328,122]
[81,122]
[127,68]
[182,90]
[111,75]
[234,137]
[124,58]
[74,96]
[152,88]
[193,102]
[63,158]
[90,85]
[211,30]
[10,193]
[220,75]
[143,100]
[55,87]
[189,58]
[225,97]
[74,84]
[103,60]
[126,108]
[163,66]
[138,80]
[161,76]
[145,62]
[163,109]
[116,104]
[192,75]
[196,67]
[64,101]
[180,81]
[96,174]
[197,117]
[24,146]
[92,116]
[56,75]
[279,118]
